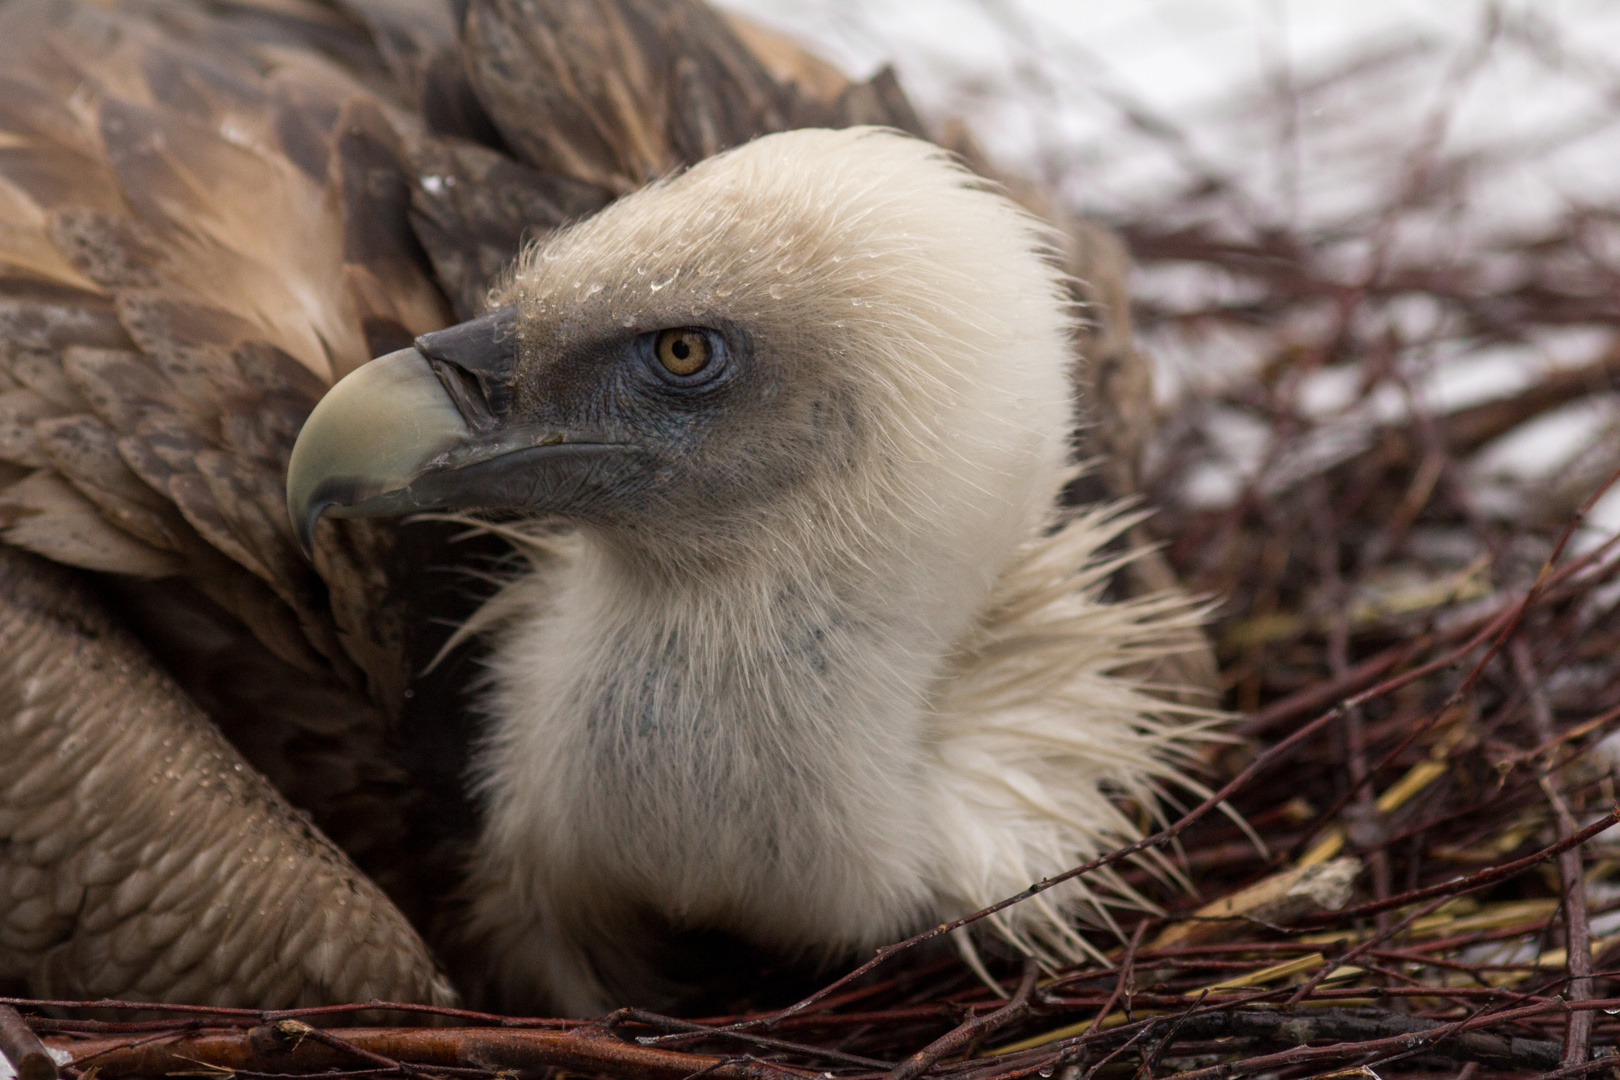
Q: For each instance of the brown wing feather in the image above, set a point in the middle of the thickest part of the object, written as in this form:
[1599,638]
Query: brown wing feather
[617,92]
[386,268]
[99,755]
[473,207]
[159,364]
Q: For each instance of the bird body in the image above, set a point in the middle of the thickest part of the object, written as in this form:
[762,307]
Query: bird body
[803,652]
[719,701]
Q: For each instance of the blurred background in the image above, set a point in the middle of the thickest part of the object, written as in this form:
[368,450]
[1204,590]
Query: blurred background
[1433,180]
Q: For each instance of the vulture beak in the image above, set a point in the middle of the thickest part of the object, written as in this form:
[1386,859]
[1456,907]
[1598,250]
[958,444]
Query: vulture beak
[433,428]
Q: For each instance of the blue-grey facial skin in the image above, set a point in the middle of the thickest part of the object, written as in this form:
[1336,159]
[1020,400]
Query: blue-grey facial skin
[690,432]
[722,449]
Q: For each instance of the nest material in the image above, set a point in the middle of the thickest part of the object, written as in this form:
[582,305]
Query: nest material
[1425,657]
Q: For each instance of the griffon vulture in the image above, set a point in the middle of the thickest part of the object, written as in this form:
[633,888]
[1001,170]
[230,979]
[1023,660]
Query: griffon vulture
[716,605]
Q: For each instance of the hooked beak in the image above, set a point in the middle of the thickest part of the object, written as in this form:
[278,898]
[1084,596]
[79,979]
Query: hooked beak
[432,428]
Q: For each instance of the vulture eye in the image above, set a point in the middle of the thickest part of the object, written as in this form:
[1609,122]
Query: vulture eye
[684,350]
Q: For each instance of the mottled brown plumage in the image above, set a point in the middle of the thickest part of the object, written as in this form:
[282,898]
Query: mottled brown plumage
[144,857]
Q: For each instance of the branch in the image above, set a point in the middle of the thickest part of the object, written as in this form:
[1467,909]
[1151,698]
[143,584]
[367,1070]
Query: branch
[1358,1031]
[22,1048]
[1458,885]
[289,1047]
[973,1028]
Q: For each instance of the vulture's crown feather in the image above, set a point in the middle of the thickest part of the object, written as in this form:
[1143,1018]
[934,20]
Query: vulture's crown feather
[802,651]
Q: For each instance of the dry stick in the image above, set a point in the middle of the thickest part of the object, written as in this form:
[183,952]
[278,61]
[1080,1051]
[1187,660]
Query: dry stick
[1360,786]
[1131,1030]
[1489,994]
[1509,617]
[294,1032]
[1419,160]
[1577,925]
[257,1017]
[250,1016]
[50,1025]
[1576,1070]
[1505,618]
[1127,977]
[1597,725]
[87,1060]
[1397,977]
[1543,579]
[1458,885]
[973,1028]
[1321,694]
[1153,1056]
[485,1048]
[1347,1027]
[1228,1006]
[688,1031]
[1383,935]
[1147,1026]
[22,1048]
[1402,1044]
[1578,942]
[1411,958]
[492,1019]
[1405,1035]
[1505,795]
[1339,664]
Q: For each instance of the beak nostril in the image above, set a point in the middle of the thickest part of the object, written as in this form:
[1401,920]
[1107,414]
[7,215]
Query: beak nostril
[476,361]
[479,403]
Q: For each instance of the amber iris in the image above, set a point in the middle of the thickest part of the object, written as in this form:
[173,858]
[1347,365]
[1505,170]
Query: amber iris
[682,351]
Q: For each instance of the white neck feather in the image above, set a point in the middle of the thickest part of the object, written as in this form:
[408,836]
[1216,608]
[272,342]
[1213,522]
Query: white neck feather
[817,769]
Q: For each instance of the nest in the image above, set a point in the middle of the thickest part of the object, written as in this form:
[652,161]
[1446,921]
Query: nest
[1419,637]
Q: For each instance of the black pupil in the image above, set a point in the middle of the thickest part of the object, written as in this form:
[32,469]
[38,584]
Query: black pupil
[680,349]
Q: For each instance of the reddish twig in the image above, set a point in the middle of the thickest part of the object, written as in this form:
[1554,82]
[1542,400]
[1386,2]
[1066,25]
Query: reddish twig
[430,1048]
[971,1030]
[22,1049]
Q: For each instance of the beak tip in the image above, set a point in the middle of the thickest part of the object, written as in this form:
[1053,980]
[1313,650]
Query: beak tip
[304,529]
[369,436]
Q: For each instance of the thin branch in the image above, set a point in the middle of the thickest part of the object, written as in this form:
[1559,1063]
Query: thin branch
[971,1030]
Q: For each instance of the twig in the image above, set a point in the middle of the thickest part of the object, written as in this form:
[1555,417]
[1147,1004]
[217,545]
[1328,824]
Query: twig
[22,1048]
[431,1048]
[971,1029]
[1384,934]
[1577,926]
[686,1031]
[1456,1040]
[1459,885]
[1125,984]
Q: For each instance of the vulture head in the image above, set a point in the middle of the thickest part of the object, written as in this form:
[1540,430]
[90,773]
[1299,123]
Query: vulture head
[781,431]
[823,350]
